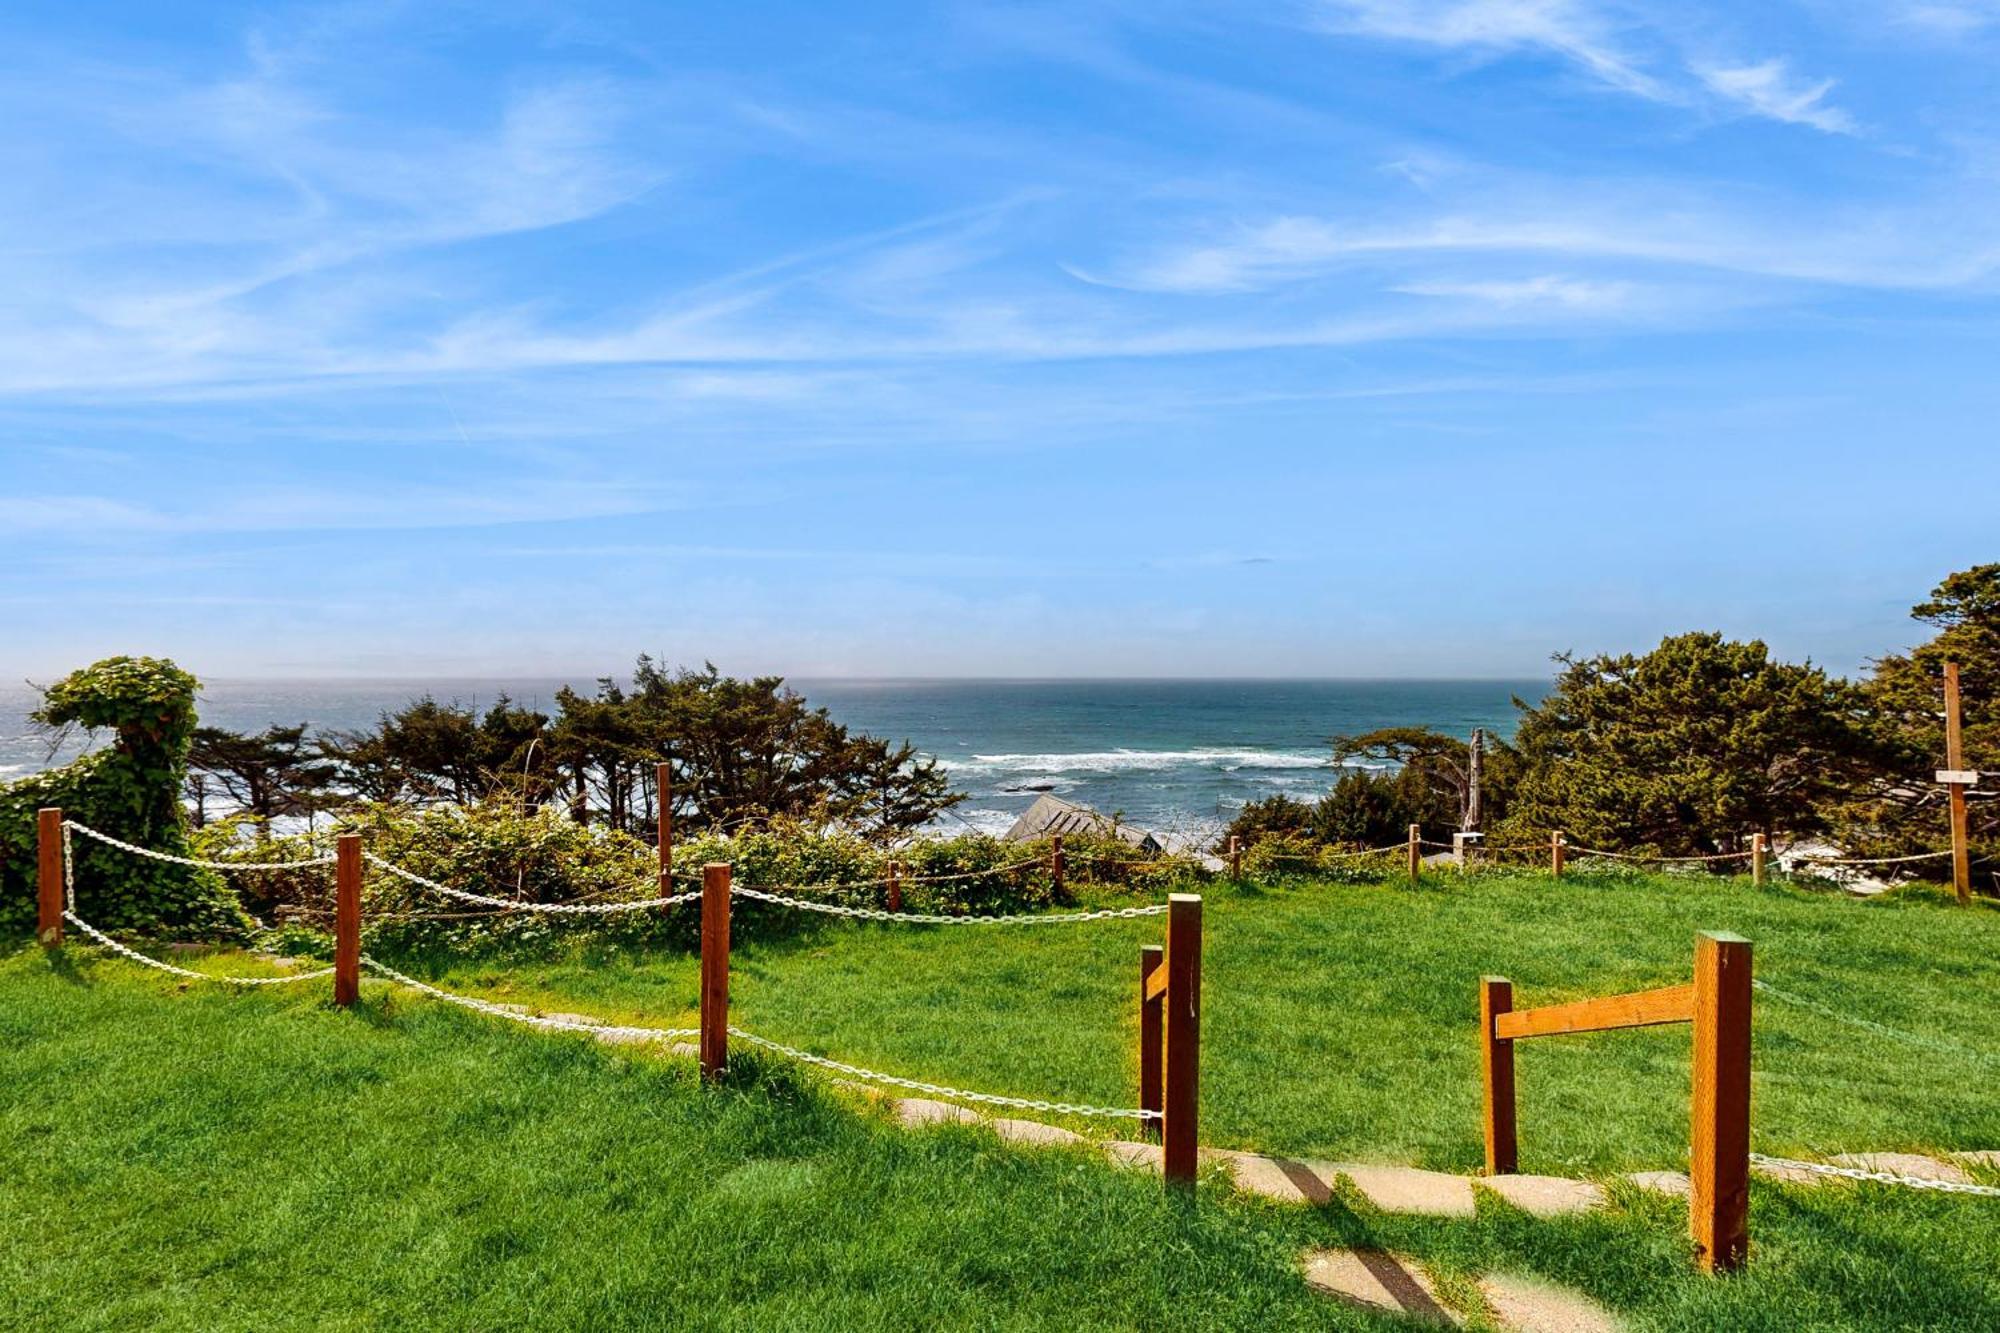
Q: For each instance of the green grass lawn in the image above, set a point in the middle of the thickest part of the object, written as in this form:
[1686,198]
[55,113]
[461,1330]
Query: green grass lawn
[187,1157]
[1341,1020]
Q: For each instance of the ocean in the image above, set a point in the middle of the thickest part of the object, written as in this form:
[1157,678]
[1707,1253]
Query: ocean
[1175,756]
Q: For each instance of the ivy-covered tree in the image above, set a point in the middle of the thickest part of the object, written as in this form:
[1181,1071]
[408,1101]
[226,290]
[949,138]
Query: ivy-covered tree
[1689,749]
[130,789]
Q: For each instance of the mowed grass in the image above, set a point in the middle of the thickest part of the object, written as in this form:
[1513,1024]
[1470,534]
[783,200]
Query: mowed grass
[180,1156]
[1340,1020]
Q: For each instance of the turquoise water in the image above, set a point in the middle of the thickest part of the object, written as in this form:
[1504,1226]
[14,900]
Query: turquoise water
[1173,756]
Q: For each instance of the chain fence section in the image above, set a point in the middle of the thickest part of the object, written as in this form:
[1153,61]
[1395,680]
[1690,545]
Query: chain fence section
[937,1090]
[1811,859]
[136,850]
[1313,858]
[1641,856]
[1878,1177]
[190,973]
[937,919]
[550,1022]
[1870,1025]
[904,880]
[516,905]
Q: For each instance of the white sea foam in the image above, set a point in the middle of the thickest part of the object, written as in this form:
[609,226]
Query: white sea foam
[1122,761]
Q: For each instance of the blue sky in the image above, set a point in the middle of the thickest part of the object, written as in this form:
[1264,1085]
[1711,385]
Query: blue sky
[1323,338]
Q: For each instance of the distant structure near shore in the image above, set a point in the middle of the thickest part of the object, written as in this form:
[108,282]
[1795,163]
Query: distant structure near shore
[1052,814]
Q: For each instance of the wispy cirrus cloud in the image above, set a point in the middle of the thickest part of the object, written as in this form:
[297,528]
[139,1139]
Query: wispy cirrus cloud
[1622,47]
[1769,89]
[1580,33]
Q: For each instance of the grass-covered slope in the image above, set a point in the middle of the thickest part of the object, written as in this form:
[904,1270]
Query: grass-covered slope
[1341,1020]
[186,1157]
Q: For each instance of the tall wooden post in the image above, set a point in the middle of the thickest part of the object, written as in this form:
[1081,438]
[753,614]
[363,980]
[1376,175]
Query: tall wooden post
[663,780]
[895,894]
[1235,857]
[1152,1008]
[1557,853]
[714,970]
[1058,863]
[49,876]
[1416,851]
[1719,1161]
[347,919]
[1758,848]
[1182,1077]
[1496,997]
[1954,778]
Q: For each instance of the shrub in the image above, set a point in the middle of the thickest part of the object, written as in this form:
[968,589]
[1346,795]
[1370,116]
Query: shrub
[130,790]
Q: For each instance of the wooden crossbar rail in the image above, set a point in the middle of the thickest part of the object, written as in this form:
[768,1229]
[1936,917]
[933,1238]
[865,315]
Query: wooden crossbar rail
[1669,1004]
[1717,1003]
[1156,983]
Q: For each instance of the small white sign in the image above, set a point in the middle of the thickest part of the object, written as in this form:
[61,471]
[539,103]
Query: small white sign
[1958,777]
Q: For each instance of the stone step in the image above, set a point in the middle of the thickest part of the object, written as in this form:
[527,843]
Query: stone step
[1378,1280]
[1388,1283]
[1916,1165]
[1530,1305]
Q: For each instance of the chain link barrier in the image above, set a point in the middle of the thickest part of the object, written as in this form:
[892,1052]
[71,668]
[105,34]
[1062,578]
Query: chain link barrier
[1870,1025]
[190,973]
[937,1090]
[1811,859]
[136,850]
[937,919]
[550,1022]
[516,905]
[1877,1177]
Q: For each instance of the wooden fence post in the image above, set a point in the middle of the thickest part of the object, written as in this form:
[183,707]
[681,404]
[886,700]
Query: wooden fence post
[714,970]
[1757,850]
[895,894]
[1416,851]
[1182,1077]
[663,779]
[1496,997]
[1058,862]
[1719,1161]
[1235,857]
[1557,848]
[1152,958]
[1954,762]
[49,876]
[347,919]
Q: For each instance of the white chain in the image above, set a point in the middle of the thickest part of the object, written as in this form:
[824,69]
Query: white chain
[69,869]
[1880,1177]
[123,846]
[912,879]
[1869,1024]
[934,919]
[1867,860]
[516,905]
[990,1099]
[533,1020]
[138,957]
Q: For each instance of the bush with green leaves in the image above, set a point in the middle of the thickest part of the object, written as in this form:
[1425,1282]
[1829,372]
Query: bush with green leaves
[129,789]
[539,855]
